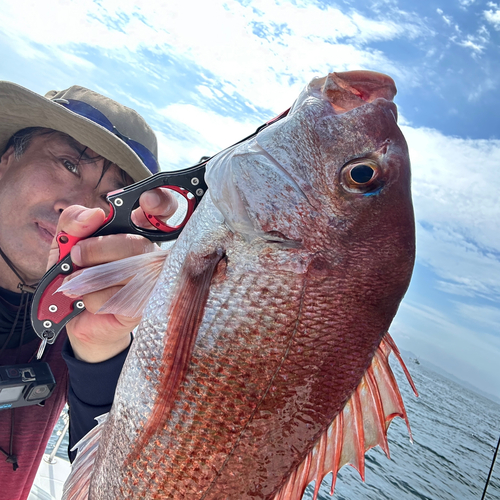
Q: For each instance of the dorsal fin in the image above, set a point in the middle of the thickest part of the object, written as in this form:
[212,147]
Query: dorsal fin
[361,425]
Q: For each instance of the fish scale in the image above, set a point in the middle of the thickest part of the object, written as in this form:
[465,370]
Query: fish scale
[261,360]
[230,357]
[322,408]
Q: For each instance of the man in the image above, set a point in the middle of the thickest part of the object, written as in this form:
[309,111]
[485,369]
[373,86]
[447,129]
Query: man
[61,154]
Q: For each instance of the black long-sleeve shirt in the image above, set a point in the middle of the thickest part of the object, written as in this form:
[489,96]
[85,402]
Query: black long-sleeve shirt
[91,391]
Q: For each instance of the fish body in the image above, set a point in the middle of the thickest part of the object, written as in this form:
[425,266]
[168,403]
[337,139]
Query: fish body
[270,311]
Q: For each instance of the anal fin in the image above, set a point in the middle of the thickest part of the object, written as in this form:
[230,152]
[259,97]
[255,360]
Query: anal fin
[77,485]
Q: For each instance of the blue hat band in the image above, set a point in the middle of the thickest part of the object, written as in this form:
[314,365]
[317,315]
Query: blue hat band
[87,111]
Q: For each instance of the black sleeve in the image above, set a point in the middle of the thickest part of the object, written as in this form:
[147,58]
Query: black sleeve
[91,391]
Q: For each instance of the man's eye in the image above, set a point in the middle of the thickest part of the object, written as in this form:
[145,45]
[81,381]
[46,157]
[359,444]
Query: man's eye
[70,166]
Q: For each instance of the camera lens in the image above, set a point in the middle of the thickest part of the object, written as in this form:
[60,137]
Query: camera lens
[38,392]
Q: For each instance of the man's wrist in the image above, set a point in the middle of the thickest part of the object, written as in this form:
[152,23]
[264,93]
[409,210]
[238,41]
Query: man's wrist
[96,353]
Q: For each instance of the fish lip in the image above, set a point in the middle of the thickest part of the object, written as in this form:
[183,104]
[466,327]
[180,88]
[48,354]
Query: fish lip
[389,105]
[379,101]
[353,89]
[368,85]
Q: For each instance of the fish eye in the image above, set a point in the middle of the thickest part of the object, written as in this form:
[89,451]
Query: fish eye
[360,176]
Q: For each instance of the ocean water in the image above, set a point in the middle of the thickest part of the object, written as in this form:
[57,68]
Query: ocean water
[455,433]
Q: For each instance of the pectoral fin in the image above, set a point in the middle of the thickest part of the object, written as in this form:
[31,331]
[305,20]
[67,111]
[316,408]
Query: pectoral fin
[186,313]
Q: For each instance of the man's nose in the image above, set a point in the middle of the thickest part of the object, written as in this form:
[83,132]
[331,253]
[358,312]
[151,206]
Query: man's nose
[85,198]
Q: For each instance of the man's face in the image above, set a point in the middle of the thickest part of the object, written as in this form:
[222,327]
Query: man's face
[52,174]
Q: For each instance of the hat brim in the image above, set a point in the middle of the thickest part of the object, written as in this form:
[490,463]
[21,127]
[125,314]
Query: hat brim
[21,108]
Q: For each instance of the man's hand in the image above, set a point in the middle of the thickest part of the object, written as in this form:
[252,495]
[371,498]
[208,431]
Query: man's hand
[97,337]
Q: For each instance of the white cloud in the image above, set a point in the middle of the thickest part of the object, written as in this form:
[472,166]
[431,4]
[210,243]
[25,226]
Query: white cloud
[456,204]
[43,27]
[442,330]
[454,288]
[208,129]
[454,182]
[464,268]
[470,44]
[176,153]
[208,92]
[469,354]
[74,61]
[486,85]
[486,316]
[493,16]
[477,42]
[447,20]
[267,49]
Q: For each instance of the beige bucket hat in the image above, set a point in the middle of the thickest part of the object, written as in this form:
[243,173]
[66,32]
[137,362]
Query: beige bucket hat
[112,130]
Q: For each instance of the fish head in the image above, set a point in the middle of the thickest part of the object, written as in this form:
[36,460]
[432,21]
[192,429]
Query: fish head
[331,179]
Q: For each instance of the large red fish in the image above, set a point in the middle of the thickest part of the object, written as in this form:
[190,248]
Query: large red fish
[261,360]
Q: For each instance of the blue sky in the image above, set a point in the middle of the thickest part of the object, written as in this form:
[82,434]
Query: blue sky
[207,73]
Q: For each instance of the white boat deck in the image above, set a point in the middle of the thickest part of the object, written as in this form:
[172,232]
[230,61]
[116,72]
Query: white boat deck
[50,479]
[53,470]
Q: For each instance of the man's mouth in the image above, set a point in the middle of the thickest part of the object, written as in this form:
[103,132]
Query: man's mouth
[46,231]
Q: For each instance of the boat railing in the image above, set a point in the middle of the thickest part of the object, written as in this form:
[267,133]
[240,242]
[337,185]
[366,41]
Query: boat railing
[51,457]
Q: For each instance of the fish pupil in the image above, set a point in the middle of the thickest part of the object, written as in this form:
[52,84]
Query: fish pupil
[361,174]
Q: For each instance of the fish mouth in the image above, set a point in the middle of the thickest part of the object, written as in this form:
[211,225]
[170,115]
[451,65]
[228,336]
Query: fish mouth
[352,89]
[389,105]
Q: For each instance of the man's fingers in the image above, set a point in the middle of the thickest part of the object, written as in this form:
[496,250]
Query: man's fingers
[77,221]
[94,251]
[80,221]
[159,202]
[94,301]
[95,338]
[140,219]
